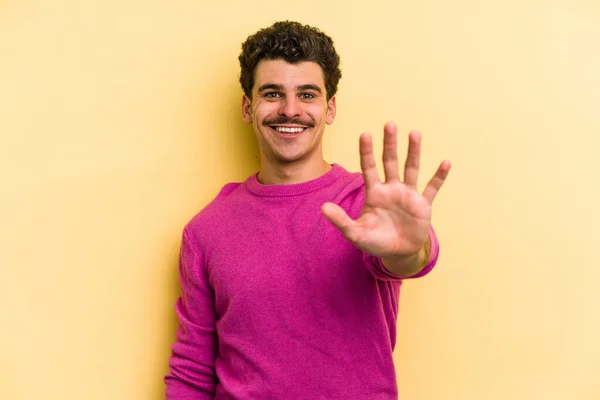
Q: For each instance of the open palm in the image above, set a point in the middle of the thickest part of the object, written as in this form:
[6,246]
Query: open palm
[396,218]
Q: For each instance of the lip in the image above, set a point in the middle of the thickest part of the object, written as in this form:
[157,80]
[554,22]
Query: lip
[289,135]
[289,126]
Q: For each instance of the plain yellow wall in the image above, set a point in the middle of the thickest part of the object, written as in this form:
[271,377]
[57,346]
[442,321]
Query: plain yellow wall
[120,119]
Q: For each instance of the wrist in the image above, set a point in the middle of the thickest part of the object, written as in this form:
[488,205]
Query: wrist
[408,265]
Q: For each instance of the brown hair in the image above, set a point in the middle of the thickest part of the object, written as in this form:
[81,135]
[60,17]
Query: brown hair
[294,43]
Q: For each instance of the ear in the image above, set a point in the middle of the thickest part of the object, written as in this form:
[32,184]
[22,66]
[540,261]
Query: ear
[246,109]
[330,111]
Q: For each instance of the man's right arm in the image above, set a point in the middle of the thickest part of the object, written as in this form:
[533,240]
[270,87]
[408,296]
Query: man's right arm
[192,362]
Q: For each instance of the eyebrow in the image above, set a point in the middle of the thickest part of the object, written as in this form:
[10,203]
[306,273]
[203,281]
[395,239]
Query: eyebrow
[310,86]
[273,86]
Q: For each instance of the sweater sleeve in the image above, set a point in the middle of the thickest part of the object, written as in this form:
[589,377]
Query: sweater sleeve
[379,271]
[192,363]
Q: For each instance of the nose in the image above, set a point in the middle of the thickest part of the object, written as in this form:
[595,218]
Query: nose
[290,107]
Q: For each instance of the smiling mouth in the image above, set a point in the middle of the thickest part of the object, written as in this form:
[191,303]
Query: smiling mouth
[285,130]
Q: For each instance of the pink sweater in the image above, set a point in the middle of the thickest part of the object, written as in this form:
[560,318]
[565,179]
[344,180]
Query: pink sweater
[276,304]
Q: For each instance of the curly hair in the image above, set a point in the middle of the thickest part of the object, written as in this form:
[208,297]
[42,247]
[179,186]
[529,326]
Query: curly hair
[294,43]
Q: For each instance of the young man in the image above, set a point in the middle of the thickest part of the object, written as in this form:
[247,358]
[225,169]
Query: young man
[290,280]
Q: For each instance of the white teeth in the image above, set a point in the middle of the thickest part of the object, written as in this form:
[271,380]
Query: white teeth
[288,130]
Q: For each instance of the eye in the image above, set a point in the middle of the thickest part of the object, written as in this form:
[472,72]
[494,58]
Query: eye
[307,96]
[272,95]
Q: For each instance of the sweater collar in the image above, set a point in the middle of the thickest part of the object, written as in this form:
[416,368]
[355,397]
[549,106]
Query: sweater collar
[259,189]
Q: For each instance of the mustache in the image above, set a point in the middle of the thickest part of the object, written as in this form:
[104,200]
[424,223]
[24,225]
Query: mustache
[291,121]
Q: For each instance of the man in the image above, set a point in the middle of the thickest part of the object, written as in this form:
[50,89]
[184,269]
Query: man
[290,280]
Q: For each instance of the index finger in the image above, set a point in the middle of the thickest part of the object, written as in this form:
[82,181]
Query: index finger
[367,161]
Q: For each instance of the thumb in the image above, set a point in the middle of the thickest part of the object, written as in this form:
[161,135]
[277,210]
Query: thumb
[338,218]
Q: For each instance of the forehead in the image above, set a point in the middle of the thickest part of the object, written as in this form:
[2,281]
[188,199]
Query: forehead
[282,73]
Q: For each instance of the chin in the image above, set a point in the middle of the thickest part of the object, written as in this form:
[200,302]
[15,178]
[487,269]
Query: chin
[289,159]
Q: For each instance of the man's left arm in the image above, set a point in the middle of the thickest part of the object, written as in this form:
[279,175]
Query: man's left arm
[394,226]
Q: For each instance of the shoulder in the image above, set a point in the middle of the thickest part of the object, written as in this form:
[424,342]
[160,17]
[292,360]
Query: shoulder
[351,193]
[353,185]
[214,213]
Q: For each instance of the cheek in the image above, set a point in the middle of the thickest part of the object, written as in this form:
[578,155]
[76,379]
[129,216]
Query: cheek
[314,111]
[263,111]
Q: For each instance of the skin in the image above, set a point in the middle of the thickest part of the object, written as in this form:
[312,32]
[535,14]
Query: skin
[395,220]
[293,95]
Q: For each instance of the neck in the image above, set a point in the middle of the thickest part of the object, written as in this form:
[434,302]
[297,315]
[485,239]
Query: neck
[291,173]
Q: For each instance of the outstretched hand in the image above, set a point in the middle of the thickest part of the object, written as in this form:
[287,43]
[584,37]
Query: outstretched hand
[396,218]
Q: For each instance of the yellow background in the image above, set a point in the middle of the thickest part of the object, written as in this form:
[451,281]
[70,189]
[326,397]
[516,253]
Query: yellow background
[120,119]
